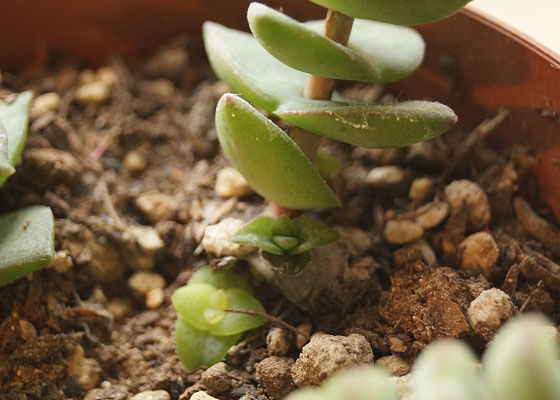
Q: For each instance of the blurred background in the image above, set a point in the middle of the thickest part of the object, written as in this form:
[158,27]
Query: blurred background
[539,19]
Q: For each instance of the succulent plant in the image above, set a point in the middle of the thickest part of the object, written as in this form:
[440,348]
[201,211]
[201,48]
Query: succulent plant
[288,69]
[521,363]
[205,329]
[27,235]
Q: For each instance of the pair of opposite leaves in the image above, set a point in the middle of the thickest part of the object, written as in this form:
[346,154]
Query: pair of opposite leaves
[273,80]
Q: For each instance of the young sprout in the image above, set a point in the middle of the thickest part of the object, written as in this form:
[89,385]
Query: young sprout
[205,329]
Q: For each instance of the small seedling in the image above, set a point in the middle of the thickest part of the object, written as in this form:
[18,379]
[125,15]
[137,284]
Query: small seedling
[521,363]
[288,69]
[26,236]
[206,329]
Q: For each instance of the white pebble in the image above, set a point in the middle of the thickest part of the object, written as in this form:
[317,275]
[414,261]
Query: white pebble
[489,311]
[400,231]
[202,396]
[62,262]
[143,282]
[134,162]
[152,395]
[387,175]
[230,183]
[93,93]
[420,189]
[45,103]
[217,239]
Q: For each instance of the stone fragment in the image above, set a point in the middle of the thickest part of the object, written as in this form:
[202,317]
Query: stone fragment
[217,239]
[434,215]
[27,330]
[489,311]
[152,395]
[156,206]
[154,298]
[86,370]
[202,396]
[142,282]
[478,252]
[467,196]
[420,189]
[45,103]
[62,262]
[386,175]
[93,93]
[326,354]
[274,376]
[148,246]
[134,161]
[401,231]
[277,342]
[304,328]
[216,378]
[230,183]
[394,364]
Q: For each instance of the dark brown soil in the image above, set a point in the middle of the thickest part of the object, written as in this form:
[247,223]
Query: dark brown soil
[75,163]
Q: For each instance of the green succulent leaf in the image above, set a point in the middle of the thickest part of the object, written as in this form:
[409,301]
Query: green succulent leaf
[197,348]
[258,233]
[239,60]
[268,159]
[362,383]
[399,12]
[312,233]
[233,322]
[447,370]
[376,52]
[521,362]
[26,242]
[220,279]
[191,301]
[15,118]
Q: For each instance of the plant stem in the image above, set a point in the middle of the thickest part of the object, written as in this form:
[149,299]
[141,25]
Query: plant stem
[270,318]
[337,27]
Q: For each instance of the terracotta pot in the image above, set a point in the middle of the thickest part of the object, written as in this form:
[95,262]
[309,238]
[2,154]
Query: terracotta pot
[473,63]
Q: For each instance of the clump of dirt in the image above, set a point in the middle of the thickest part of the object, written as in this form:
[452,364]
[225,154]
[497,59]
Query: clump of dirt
[127,157]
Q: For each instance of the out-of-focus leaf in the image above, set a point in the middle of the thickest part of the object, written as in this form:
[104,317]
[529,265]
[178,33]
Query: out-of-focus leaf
[197,348]
[399,12]
[220,279]
[15,117]
[237,322]
[268,159]
[6,167]
[376,52]
[267,83]
[26,242]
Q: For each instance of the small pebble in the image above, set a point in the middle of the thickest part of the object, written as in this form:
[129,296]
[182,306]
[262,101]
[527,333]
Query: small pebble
[274,376]
[479,252]
[156,206]
[142,282]
[86,370]
[230,183]
[216,378]
[489,311]
[304,328]
[217,239]
[387,175]
[45,103]
[93,93]
[120,307]
[109,392]
[277,342]
[87,76]
[107,75]
[467,196]
[62,262]
[27,330]
[154,298]
[401,231]
[420,189]
[394,364]
[134,161]
[148,246]
[326,354]
[162,88]
[202,396]
[152,395]
[434,216]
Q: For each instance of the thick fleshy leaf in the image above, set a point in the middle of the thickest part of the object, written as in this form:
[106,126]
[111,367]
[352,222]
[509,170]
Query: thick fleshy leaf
[258,233]
[233,322]
[447,370]
[190,302]
[197,348]
[220,279]
[311,234]
[376,52]
[268,159]
[26,242]
[248,69]
[399,12]
[15,117]
[6,167]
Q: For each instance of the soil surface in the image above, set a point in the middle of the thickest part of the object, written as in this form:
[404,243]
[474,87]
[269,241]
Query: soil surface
[127,158]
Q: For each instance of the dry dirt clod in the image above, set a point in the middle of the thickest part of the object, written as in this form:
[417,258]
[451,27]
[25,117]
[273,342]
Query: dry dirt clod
[216,378]
[93,93]
[420,189]
[479,252]
[394,364]
[152,395]
[401,231]
[469,196]
[202,396]
[230,183]
[326,354]
[86,370]
[143,282]
[434,215]
[489,311]
[45,103]
[217,239]
[277,342]
[274,375]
